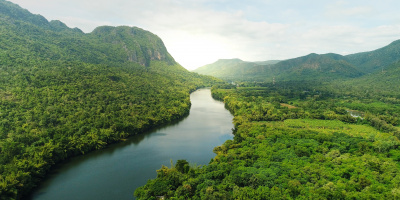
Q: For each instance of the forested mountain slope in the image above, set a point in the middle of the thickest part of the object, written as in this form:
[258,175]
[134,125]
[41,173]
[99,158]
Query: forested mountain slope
[378,59]
[36,39]
[314,66]
[231,69]
[220,66]
[382,85]
[310,67]
[137,45]
[64,92]
[302,138]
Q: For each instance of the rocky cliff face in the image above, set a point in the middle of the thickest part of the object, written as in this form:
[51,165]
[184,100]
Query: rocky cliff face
[55,41]
[139,45]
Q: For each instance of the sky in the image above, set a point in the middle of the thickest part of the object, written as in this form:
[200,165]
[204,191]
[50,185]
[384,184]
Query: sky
[199,32]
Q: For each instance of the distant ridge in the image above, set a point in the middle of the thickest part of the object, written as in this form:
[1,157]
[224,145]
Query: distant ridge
[329,66]
[315,66]
[377,59]
[231,68]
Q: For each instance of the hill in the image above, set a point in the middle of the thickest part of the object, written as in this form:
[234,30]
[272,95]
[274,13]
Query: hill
[65,93]
[268,62]
[38,39]
[378,59]
[314,66]
[227,68]
[381,85]
[310,67]
[234,69]
[138,45]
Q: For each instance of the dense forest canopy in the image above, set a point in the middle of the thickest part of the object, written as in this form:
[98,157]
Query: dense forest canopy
[65,93]
[295,141]
[313,127]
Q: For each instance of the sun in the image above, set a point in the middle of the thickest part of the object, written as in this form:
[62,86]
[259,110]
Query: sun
[193,51]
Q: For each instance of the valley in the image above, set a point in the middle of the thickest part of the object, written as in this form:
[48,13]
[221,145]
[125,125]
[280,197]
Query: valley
[318,126]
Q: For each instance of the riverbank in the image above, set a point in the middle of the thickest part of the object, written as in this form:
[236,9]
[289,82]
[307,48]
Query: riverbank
[115,172]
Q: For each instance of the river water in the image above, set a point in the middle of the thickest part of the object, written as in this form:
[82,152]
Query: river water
[115,172]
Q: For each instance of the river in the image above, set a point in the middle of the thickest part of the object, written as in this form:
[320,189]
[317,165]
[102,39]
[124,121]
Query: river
[115,172]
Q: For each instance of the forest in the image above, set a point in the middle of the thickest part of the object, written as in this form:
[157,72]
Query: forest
[314,127]
[54,112]
[296,140]
[311,67]
[65,93]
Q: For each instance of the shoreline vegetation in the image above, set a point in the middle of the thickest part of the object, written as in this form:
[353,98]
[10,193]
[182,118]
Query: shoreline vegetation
[314,151]
[57,124]
[64,92]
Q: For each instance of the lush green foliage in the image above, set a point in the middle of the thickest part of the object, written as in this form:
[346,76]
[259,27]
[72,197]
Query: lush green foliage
[310,67]
[376,60]
[322,67]
[64,93]
[380,85]
[297,134]
[294,141]
[52,112]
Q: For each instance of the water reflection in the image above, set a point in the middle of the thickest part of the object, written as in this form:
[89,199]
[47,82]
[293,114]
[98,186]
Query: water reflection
[136,139]
[115,172]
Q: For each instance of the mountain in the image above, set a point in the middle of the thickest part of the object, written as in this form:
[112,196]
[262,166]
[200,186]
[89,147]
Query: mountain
[314,66]
[14,13]
[378,59]
[104,45]
[226,68]
[310,67]
[140,46]
[233,68]
[381,83]
[64,92]
[268,62]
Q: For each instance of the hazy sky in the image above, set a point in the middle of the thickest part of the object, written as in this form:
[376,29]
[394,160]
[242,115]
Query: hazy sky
[198,32]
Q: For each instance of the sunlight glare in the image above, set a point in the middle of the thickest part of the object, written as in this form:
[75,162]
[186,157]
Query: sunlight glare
[193,51]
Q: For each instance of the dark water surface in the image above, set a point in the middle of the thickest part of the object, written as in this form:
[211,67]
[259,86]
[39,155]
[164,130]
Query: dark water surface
[115,172]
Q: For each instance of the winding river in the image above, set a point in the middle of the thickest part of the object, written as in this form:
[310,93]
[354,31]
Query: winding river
[115,172]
